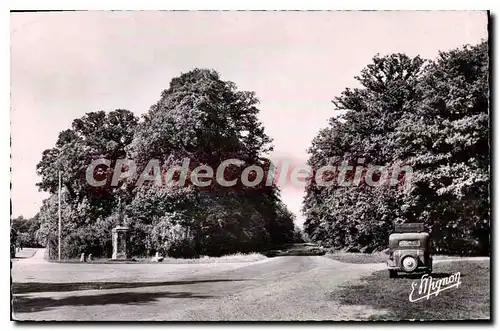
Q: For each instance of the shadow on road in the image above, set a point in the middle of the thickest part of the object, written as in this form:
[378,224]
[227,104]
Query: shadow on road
[36,304]
[20,288]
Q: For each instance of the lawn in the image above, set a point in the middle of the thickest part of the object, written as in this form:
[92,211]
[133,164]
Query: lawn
[358,258]
[232,258]
[471,300]
[299,249]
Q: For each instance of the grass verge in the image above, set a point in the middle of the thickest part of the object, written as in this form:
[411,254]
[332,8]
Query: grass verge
[233,258]
[358,258]
[471,300]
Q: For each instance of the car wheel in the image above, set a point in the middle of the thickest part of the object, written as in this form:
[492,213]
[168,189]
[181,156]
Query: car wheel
[393,273]
[409,263]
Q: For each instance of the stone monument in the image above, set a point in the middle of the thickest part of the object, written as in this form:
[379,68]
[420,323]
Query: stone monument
[120,243]
[120,237]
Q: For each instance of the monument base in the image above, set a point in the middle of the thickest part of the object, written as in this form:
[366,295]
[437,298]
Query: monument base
[120,256]
[124,261]
[120,243]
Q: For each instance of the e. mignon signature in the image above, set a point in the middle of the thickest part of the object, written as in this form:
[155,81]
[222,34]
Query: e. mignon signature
[429,286]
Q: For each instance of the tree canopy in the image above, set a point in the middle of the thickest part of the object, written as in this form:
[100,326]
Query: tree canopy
[208,121]
[199,117]
[431,116]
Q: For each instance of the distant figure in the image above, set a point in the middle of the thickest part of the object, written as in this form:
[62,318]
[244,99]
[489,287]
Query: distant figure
[82,257]
[157,257]
[89,258]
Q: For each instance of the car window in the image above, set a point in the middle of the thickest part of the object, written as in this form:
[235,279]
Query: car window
[409,243]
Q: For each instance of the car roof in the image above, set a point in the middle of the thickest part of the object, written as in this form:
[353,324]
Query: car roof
[409,235]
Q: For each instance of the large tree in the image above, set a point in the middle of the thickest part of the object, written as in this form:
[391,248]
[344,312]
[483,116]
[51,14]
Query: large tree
[357,216]
[207,120]
[199,117]
[446,141]
[432,117]
[96,135]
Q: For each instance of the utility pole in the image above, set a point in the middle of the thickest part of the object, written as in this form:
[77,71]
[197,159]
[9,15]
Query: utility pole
[59,212]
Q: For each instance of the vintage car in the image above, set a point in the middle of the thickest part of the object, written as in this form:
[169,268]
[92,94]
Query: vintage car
[409,250]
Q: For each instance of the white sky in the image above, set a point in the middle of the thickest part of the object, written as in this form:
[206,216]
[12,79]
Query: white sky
[67,64]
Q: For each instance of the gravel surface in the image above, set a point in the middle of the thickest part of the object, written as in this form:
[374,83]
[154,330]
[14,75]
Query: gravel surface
[281,288]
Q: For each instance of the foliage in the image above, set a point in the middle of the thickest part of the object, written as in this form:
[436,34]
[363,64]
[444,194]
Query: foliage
[208,121]
[25,231]
[94,136]
[85,208]
[199,117]
[79,232]
[429,115]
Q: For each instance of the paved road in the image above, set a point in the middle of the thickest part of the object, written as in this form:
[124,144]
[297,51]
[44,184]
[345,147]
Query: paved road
[281,288]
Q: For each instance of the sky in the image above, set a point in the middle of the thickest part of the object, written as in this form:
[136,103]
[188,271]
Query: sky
[65,64]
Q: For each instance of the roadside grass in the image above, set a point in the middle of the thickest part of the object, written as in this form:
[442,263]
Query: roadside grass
[471,300]
[358,258]
[232,258]
[298,249]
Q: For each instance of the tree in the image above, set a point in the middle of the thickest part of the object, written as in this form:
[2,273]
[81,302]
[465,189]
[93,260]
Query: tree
[199,117]
[26,230]
[202,118]
[451,127]
[431,116]
[207,120]
[94,136]
[357,216]
[85,208]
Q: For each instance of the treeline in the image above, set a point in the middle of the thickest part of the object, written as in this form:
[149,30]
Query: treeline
[199,117]
[429,115]
[24,232]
